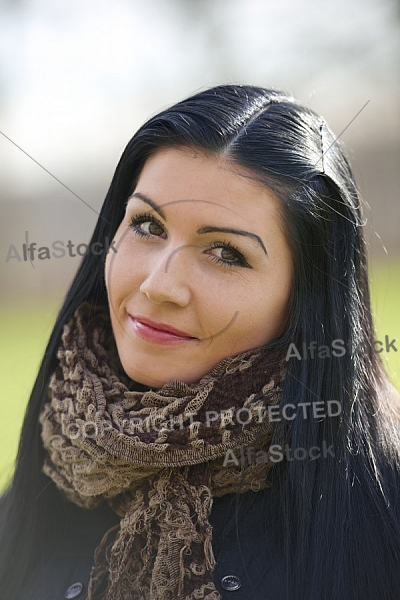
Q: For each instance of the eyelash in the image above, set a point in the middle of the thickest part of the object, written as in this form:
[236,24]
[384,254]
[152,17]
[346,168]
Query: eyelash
[145,217]
[243,262]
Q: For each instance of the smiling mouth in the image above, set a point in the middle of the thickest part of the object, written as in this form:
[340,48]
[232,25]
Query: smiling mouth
[156,334]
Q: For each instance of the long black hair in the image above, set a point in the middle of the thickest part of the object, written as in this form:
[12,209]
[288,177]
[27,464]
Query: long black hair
[339,521]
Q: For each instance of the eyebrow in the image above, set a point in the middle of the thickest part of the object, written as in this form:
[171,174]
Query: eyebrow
[211,229]
[151,202]
[206,228]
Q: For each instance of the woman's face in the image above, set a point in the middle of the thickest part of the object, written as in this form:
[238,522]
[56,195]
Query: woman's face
[201,249]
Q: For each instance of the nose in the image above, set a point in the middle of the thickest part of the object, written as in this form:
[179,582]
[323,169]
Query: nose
[168,278]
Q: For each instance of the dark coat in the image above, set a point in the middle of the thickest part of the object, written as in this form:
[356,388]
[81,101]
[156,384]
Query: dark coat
[249,566]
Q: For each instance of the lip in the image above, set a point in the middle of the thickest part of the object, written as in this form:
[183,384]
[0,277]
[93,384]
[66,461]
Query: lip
[157,331]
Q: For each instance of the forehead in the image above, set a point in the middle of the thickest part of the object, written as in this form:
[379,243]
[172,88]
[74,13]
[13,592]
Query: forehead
[191,180]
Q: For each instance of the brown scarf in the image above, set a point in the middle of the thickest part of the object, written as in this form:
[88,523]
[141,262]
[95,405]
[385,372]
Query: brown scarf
[156,456]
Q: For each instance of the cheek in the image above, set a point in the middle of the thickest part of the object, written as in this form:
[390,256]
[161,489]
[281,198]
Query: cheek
[280,301]
[122,269]
[111,262]
[113,277]
[267,309]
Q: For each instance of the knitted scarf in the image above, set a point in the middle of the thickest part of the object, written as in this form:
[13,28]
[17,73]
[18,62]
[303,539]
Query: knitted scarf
[156,456]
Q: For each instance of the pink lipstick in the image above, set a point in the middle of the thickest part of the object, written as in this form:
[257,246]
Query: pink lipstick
[160,333]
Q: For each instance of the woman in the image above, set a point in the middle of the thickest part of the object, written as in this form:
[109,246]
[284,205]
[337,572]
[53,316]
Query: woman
[210,419]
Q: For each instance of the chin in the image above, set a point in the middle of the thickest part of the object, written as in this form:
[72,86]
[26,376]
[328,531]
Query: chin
[156,379]
[144,378]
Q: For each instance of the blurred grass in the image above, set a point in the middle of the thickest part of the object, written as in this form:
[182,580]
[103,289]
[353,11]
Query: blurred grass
[26,327]
[385,298]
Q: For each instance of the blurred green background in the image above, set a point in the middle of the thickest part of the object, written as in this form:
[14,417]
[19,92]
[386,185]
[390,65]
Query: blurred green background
[26,328]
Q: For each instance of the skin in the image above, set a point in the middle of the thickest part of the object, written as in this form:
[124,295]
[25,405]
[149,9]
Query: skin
[174,277]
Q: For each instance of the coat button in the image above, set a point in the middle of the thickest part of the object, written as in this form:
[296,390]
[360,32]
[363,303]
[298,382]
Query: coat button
[230,583]
[74,590]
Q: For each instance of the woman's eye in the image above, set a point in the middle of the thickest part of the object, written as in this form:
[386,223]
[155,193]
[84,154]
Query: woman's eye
[150,228]
[145,225]
[230,255]
[227,254]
